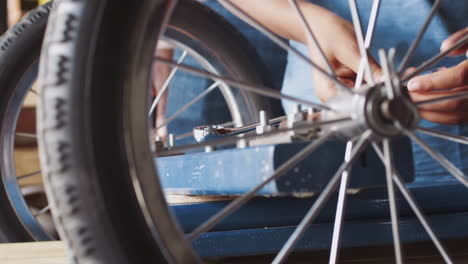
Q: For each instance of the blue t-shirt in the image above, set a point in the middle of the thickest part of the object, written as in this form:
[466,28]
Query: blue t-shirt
[398,23]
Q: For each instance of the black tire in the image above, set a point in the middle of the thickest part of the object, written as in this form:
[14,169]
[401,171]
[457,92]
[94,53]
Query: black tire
[19,50]
[87,130]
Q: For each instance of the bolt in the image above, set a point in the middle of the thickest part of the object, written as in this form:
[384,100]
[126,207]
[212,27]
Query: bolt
[209,149]
[297,108]
[296,116]
[158,143]
[312,114]
[171,141]
[264,125]
[242,143]
[263,118]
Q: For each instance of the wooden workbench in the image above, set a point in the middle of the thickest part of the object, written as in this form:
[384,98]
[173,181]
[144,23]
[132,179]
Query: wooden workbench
[33,253]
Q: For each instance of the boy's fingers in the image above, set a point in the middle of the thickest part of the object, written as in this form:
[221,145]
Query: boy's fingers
[324,87]
[409,71]
[453,118]
[450,41]
[456,105]
[352,59]
[441,80]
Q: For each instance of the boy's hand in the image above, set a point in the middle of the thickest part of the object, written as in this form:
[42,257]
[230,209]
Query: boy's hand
[335,35]
[444,82]
[337,38]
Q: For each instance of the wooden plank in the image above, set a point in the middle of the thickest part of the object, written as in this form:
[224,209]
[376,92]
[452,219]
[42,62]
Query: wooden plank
[33,253]
[175,199]
[27,161]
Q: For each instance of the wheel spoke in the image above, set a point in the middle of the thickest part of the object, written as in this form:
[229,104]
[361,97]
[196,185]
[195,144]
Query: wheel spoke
[34,91]
[412,202]
[368,41]
[184,135]
[388,162]
[386,71]
[269,92]
[439,134]
[417,211]
[458,96]
[360,40]
[324,196]
[340,208]
[233,139]
[310,35]
[426,65]
[409,54]
[28,175]
[283,44]
[189,104]
[237,203]
[167,82]
[458,174]
[26,135]
[43,210]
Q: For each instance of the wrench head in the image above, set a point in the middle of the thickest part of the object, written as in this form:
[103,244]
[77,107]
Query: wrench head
[203,133]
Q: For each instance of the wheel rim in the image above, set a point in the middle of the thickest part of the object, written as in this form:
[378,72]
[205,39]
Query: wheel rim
[12,180]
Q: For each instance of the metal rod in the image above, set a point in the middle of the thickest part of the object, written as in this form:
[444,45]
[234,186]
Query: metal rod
[320,202]
[409,54]
[458,174]
[277,120]
[43,210]
[28,175]
[237,203]
[340,208]
[417,211]
[439,134]
[372,23]
[283,44]
[269,92]
[368,41]
[388,162]
[220,130]
[184,135]
[396,84]
[310,35]
[231,140]
[34,91]
[463,41]
[458,96]
[189,104]
[27,135]
[387,75]
[360,40]
[166,83]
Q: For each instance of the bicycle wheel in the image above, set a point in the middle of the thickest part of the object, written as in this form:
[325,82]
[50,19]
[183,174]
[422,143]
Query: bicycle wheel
[130,220]
[25,194]
[25,215]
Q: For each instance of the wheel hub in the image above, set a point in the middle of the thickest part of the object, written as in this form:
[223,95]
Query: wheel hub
[389,117]
[370,108]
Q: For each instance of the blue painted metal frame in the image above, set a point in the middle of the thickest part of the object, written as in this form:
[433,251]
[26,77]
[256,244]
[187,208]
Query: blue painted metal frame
[373,232]
[368,204]
[235,171]
[263,225]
